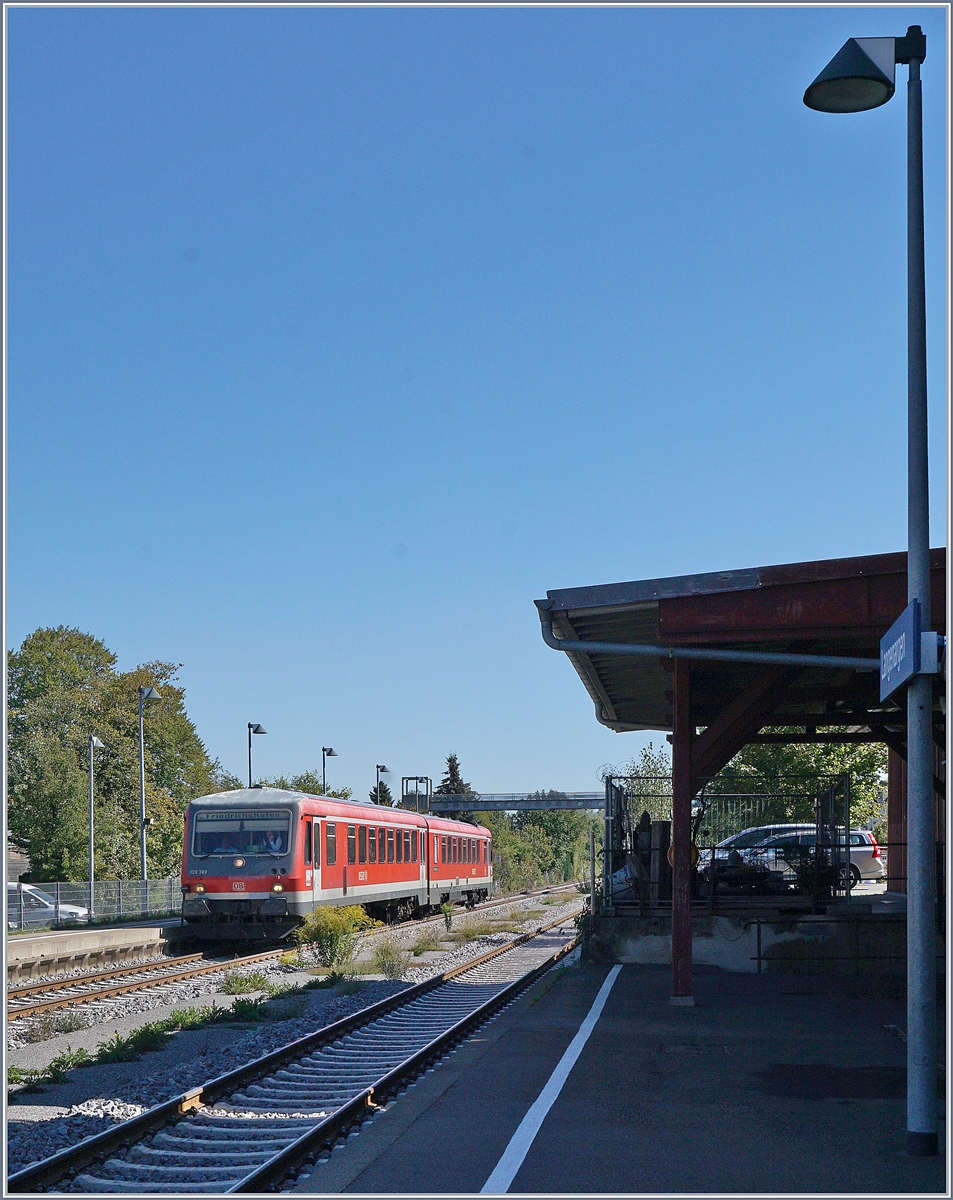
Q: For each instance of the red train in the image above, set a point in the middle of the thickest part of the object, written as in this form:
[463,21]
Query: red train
[256,861]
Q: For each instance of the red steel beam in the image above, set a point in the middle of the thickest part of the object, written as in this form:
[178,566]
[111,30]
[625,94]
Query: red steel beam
[682,791]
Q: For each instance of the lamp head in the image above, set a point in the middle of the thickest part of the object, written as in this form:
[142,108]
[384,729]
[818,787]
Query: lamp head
[383,770]
[149,693]
[859,76]
[329,752]
[256,728]
[95,743]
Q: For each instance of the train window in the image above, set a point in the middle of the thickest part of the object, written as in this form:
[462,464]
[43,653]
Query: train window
[390,845]
[484,851]
[436,850]
[372,845]
[225,832]
[362,843]
[351,844]
[473,851]
[400,845]
[330,843]
[443,847]
[413,845]
[406,845]
[455,850]
[307,841]
[381,843]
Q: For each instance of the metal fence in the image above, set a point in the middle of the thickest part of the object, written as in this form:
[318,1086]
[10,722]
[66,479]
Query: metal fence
[59,905]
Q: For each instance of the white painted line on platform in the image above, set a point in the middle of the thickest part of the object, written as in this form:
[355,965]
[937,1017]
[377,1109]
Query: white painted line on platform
[505,1170]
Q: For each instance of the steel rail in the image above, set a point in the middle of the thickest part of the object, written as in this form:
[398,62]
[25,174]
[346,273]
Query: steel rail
[33,989]
[36,989]
[29,1010]
[72,1158]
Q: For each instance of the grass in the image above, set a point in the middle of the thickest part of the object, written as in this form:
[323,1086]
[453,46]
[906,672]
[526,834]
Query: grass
[558,899]
[50,1024]
[237,984]
[390,959]
[426,944]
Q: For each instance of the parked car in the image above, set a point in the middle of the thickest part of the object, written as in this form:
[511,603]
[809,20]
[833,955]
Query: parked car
[39,907]
[748,840]
[866,858]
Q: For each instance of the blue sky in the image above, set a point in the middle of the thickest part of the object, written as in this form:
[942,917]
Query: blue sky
[337,336]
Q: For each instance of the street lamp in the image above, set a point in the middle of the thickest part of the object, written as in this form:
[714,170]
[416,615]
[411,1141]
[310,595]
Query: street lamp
[94,744]
[381,770]
[252,728]
[326,753]
[146,694]
[860,77]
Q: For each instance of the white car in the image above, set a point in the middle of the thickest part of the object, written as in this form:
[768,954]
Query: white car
[39,907]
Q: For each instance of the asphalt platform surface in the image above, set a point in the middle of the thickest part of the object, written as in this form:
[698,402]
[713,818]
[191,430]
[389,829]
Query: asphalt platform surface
[770,1084]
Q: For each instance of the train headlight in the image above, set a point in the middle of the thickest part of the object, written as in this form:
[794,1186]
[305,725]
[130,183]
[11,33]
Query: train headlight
[277,887]
[200,888]
[239,862]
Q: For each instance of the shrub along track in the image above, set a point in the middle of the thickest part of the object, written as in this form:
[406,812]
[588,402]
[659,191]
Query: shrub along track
[248,1129]
[30,999]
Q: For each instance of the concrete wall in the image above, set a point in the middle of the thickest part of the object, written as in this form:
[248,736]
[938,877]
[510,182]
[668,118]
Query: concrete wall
[869,947]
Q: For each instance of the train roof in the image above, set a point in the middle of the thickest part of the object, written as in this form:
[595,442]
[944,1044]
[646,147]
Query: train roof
[254,797]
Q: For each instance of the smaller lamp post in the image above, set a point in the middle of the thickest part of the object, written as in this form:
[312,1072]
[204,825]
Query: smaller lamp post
[146,694]
[252,728]
[381,770]
[326,753]
[94,744]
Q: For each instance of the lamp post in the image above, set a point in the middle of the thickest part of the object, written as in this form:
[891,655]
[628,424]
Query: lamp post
[252,728]
[381,770]
[146,694]
[860,77]
[94,744]
[326,753]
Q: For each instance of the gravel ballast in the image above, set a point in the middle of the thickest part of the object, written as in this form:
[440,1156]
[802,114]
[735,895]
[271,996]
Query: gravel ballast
[92,1098]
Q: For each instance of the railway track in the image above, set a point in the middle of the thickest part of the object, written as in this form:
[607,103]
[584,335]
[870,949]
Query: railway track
[247,1130]
[28,1000]
[83,989]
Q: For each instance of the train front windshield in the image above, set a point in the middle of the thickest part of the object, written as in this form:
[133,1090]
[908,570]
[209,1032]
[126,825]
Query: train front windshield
[249,833]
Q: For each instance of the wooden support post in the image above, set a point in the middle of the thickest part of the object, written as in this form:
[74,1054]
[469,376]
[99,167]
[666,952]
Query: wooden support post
[682,791]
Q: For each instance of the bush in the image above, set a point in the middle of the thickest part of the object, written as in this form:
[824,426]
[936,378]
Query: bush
[390,959]
[57,1069]
[333,933]
[447,910]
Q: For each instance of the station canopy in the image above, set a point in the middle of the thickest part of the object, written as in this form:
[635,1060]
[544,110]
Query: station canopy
[833,607]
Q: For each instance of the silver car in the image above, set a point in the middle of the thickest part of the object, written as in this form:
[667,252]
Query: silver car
[39,908]
[866,858]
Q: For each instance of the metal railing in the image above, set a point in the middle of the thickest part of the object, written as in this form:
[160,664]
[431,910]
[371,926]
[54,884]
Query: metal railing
[38,906]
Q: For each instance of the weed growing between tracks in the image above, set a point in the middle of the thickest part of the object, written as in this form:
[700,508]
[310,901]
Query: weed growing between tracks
[390,959]
[49,1024]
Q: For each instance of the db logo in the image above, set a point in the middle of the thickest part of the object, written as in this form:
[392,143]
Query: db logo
[238,887]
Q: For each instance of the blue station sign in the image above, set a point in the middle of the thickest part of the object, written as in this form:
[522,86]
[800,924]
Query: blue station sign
[900,651]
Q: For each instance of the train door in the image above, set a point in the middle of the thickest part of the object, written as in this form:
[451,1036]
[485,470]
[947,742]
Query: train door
[333,849]
[312,836]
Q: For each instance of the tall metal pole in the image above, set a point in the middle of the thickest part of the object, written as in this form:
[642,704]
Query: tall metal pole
[142,791]
[324,772]
[92,742]
[921,886]
[249,753]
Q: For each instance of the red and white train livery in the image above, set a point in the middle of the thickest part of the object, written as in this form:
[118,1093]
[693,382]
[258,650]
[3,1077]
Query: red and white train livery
[256,861]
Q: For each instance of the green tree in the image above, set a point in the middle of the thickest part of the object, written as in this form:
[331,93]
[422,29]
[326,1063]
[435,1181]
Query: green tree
[807,768]
[453,784]
[381,794]
[62,687]
[308,782]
